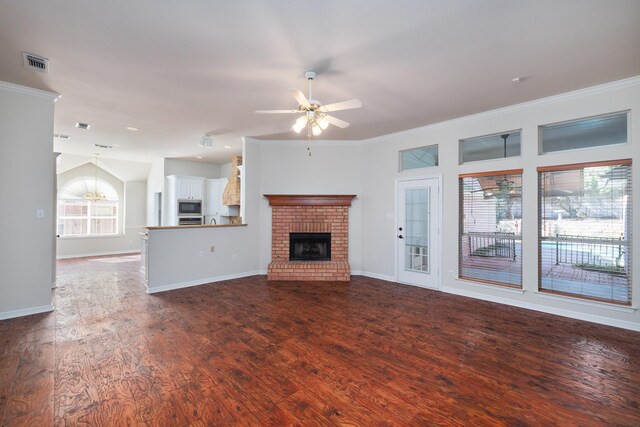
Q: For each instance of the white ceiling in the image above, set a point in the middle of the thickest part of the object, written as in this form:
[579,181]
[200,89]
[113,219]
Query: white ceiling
[179,69]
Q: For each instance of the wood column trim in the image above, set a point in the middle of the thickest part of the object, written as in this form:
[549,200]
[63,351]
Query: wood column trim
[310,199]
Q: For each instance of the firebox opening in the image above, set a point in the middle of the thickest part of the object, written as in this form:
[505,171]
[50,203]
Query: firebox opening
[309,246]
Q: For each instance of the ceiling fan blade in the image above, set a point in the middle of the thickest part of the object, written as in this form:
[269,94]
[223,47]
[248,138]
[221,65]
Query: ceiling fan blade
[277,111]
[299,96]
[344,105]
[336,121]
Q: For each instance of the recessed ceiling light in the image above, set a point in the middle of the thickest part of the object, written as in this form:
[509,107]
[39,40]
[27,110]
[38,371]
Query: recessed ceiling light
[83,125]
[227,147]
[132,129]
[61,136]
[517,80]
[198,157]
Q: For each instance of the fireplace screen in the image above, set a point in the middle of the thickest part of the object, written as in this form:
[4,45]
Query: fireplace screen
[309,246]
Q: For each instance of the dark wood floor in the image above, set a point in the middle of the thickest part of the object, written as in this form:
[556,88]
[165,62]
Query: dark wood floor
[248,352]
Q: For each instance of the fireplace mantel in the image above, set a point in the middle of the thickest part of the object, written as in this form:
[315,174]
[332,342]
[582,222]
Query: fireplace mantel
[310,199]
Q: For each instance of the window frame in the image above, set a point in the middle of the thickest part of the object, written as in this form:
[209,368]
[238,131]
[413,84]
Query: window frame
[461,233]
[581,166]
[541,151]
[88,218]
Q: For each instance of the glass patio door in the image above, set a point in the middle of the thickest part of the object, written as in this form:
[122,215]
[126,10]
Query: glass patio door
[417,232]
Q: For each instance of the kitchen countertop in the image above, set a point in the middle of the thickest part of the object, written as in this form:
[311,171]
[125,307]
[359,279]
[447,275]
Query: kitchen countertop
[171,227]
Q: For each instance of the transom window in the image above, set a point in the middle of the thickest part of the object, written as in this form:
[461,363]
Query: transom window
[82,216]
[417,158]
[610,129]
[497,146]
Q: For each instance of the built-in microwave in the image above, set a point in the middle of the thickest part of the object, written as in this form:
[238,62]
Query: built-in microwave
[189,207]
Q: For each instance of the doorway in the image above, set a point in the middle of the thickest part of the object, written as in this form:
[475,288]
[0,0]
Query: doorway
[417,233]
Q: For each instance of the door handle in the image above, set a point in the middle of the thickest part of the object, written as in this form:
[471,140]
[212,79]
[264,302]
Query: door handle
[400,237]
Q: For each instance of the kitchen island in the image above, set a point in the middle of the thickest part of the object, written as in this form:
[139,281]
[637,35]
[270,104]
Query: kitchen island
[179,256]
[170,227]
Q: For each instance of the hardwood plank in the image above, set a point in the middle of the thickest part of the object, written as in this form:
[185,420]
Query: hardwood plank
[252,352]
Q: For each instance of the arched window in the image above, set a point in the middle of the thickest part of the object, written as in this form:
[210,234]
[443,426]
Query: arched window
[87,207]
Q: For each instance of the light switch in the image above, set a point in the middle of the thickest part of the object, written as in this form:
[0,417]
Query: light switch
[40,213]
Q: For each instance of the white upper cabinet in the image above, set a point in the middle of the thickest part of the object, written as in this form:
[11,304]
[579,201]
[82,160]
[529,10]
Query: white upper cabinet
[187,187]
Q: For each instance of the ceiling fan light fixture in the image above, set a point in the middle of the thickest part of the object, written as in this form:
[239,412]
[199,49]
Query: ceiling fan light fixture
[299,124]
[323,123]
[315,117]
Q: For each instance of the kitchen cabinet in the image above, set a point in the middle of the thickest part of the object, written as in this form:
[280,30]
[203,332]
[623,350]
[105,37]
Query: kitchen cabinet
[213,207]
[188,188]
[181,188]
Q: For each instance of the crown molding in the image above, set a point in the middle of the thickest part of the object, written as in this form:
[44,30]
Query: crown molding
[576,94]
[312,143]
[39,93]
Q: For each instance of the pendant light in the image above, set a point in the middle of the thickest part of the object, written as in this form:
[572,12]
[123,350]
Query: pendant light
[95,195]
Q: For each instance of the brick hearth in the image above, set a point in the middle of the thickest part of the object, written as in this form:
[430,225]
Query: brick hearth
[310,214]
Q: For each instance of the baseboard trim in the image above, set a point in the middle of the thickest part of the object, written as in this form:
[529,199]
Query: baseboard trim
[374,275]
[546,309]
[26,312]
[198,282]
[128,251]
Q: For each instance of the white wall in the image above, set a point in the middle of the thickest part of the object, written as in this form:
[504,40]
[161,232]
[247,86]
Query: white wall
[27,172]
[225,170]
[334,167]
[173,255]
[125,170]
[380,172]
[190,168]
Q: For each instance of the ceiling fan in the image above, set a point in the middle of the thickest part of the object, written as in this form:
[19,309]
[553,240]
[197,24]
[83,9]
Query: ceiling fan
[504,187]
[315,116]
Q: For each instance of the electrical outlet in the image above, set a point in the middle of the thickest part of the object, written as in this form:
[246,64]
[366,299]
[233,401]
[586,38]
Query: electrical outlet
[451,274]
[201,254]
[213,248]
[40,213]
[234,257]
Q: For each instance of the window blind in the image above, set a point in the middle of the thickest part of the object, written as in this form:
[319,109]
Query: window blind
[490,228]
[584,226]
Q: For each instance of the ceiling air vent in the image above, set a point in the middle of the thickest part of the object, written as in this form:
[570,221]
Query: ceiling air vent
[61,136]
[102,146]
[35,62]
[83,125]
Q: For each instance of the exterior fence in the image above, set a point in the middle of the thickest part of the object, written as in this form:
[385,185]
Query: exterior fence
[492,244]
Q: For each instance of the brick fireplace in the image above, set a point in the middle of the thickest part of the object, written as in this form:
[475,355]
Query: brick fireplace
[309,214]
